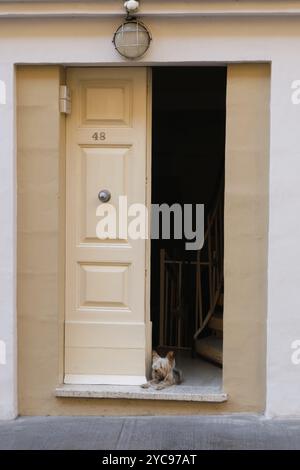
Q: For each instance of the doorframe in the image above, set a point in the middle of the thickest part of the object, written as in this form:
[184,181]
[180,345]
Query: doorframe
[245,73]
[241,397]
[148,180]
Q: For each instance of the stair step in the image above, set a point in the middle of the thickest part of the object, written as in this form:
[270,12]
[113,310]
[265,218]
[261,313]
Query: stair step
[221,300]
[211,348]
[216,321]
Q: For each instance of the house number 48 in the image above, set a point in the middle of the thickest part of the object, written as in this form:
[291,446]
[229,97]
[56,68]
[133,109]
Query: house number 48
[99,136]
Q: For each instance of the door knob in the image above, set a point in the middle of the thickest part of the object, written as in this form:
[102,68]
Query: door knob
[104,195]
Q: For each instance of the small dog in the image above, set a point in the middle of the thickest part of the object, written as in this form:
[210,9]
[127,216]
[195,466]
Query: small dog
[164,372]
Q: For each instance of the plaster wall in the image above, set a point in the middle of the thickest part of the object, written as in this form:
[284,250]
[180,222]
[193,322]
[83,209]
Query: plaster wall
[186,41]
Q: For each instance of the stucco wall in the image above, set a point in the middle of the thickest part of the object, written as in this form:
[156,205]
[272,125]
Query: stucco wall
[206,40]
[8,323]
[246,234]
[40,250]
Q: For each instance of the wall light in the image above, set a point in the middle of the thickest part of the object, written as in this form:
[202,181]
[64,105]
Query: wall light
[132,39]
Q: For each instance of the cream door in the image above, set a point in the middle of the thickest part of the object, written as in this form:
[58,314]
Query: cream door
[105,331]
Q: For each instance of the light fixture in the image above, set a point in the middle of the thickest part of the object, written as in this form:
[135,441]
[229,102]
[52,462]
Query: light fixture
[132,5]
[132,38]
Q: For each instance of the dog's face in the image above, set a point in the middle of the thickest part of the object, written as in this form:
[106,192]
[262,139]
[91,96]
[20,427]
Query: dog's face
[162,366]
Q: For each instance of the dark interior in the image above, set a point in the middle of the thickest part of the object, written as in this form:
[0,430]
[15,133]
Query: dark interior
[188,148]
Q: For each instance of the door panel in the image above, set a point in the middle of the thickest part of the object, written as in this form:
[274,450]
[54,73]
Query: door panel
[105,337]
[111,164]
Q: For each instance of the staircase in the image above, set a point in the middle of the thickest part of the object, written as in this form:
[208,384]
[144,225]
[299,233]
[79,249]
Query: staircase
[208,339]
[211,347]
[204,313]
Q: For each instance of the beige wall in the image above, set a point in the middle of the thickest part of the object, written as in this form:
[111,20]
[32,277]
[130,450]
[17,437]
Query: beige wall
[246,234]
[41,238]
[40,248]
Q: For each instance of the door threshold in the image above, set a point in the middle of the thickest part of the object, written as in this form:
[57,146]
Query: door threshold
[134,392]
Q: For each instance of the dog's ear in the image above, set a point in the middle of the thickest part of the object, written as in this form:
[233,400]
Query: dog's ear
[171,356]
[155,355]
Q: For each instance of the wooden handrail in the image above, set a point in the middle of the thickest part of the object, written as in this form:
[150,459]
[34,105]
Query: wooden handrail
[172,303]
[214,293]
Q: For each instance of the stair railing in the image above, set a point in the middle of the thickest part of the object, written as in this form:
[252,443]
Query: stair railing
[209,262]
[214,237]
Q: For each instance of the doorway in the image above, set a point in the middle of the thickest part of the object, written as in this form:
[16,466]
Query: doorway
[42,315]
[188,155]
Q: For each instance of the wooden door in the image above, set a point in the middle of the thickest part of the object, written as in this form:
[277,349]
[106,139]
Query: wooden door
[105,334]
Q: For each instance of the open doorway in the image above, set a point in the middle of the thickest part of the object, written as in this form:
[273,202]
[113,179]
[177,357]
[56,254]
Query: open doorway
[188,153]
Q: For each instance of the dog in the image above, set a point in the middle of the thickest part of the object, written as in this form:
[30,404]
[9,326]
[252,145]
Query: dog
[164,372]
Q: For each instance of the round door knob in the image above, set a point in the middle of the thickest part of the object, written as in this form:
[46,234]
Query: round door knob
[104,195]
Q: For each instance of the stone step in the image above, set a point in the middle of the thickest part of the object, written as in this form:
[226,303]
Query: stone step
[216,321]
[210,347]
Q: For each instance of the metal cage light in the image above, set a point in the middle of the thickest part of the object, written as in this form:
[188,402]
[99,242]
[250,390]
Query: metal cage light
[132,39]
